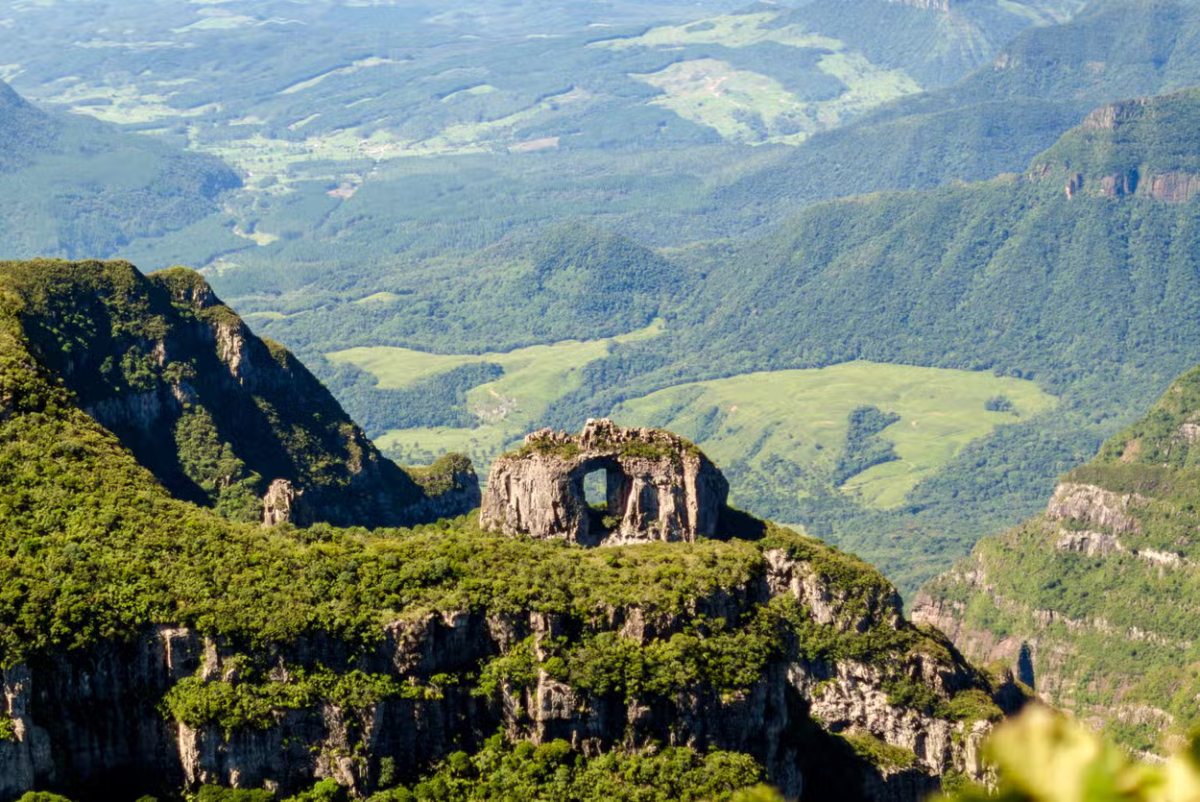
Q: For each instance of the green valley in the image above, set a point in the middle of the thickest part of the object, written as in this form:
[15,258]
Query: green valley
[243,656]
[794,422]
[504,410]
[1094,600]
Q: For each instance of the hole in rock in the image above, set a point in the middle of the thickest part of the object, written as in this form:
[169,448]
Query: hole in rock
[595,489]
[601,487]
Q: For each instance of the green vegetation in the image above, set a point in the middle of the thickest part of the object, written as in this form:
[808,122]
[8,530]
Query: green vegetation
[93,549]
[160,361]
[879,753]
[79,188]
[553,771]
[1044,757]
[784,435]
[864,448]
[492,413]
[253,704]
[435,216]
[1107,644]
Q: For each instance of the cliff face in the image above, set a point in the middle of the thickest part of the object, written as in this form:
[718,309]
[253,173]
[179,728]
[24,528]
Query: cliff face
[92,720]
[1094,602]
[1134,148]
[215,412]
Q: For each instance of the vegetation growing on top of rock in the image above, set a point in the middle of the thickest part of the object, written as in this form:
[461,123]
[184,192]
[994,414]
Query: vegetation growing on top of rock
[97,556]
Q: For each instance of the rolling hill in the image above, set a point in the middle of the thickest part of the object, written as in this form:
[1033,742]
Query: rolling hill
[72,186]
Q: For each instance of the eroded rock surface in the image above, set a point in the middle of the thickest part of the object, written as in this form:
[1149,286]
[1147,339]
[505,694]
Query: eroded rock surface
[659,487]
[284,504]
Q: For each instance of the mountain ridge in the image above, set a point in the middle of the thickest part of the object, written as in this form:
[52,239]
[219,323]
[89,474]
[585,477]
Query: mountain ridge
[1076,598]
[217,414]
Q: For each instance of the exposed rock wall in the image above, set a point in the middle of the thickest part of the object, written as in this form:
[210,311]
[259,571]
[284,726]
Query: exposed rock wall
[90,720]
[284,504]
[1118,151]
[659,487]
[1094,506]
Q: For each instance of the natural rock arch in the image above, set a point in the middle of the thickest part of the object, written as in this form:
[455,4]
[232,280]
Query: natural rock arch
[659,487]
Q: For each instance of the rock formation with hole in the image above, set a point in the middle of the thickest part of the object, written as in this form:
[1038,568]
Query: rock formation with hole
[660,487]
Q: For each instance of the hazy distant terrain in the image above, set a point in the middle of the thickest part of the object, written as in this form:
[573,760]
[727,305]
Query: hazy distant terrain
[476,218]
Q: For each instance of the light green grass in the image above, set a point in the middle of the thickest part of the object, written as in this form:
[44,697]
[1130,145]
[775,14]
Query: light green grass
[481,89]
[126,103]
[380,299]
[711,92]
[507,408]
[730,30]
[797,416]
[349,69]
[800,416]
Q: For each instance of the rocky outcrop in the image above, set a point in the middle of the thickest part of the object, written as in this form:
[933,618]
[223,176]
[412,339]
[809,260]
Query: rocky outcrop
[1136,138]
[1093,544]
[91,717]
[1094,506]
[830,605]
[1173,187]
[283,504]
[1112,116]
[659,487]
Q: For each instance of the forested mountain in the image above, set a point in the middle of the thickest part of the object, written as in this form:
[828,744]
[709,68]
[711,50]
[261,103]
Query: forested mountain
[997,118]
[1094,600]
[149,645]
[934,41]
[467,213]
[216,414]
[72,186]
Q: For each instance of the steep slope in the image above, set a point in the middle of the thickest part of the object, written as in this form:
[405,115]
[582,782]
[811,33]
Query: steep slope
[1013,252]
[548,287]
[147,644]
[1094,601]
[72,186]
[24,130]
[217,414]
[999,117]
[935,41]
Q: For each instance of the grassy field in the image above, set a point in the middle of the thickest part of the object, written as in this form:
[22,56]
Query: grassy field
[797,418]
[745,106]
[800,417]
[730,30]
[711,92]
[507,408]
